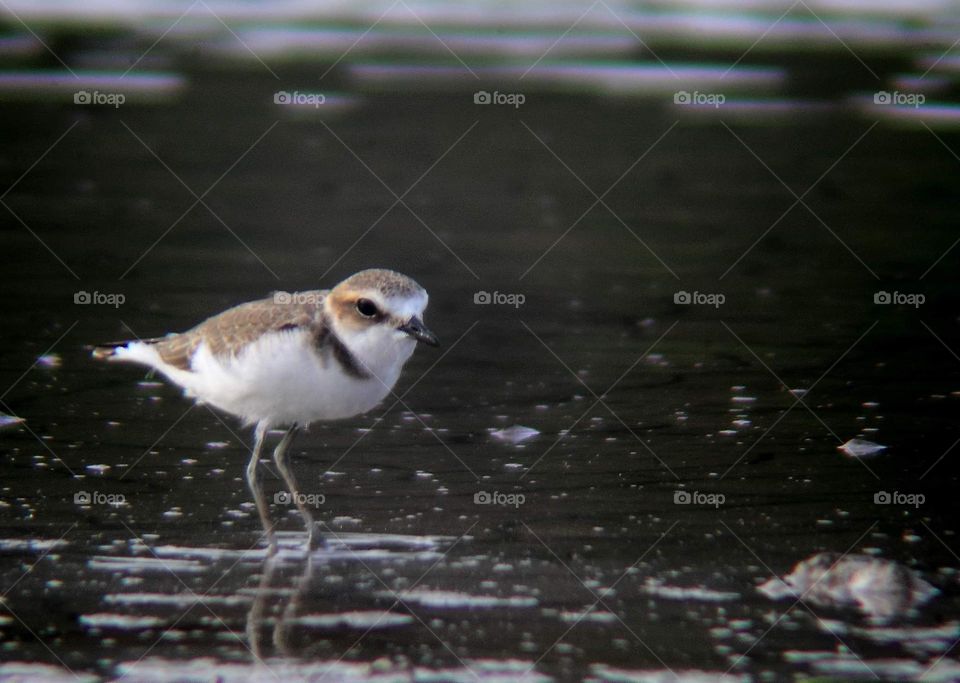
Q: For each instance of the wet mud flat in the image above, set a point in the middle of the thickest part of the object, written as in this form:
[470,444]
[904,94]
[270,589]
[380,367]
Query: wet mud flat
[688,358]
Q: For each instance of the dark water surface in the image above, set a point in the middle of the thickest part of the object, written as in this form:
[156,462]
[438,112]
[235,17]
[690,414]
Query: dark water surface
[193,203]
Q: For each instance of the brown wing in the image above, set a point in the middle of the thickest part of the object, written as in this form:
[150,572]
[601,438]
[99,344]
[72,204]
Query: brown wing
[227,333]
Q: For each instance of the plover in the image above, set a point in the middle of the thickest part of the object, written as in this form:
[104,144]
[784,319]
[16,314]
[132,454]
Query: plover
[292,359]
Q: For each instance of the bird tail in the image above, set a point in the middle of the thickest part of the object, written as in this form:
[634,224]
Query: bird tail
[108,350]
[136,351]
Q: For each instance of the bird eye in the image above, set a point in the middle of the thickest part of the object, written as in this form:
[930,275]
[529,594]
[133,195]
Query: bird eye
[367,308]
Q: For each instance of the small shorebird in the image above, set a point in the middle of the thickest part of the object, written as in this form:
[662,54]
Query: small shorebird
[292,359]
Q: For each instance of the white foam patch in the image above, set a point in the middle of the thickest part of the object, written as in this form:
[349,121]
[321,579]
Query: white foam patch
[598,617]
[179,600]
[209,554]
[291,546]
[42,673]
[515,434]
[157,669]
[919,639]
[831,664]
[37,545]
[859,448]
[453,599]
[602,672]
[139,565]
[696,593]
[120,622]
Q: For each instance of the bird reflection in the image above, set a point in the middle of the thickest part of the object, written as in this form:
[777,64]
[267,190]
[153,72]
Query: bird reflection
[258,618]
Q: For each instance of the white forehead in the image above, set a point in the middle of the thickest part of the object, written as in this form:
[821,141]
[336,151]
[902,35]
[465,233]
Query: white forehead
[403,306]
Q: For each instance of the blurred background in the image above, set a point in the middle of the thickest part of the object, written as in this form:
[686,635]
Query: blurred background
[689,249]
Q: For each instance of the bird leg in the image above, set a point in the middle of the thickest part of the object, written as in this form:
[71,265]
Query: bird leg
[256,616]
[256,488]
[314,539]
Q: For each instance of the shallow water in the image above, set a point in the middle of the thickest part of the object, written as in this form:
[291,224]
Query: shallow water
[589,565]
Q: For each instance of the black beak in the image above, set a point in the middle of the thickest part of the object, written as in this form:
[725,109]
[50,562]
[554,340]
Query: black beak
[416,329]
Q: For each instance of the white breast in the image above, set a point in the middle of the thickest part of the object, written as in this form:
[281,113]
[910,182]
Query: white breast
[282,378]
